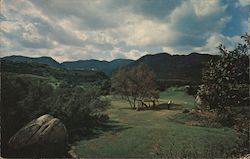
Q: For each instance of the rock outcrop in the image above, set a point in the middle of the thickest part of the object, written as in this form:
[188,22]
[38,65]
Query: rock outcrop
[45,136]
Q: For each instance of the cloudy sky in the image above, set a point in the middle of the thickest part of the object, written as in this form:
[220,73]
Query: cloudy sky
[109,29]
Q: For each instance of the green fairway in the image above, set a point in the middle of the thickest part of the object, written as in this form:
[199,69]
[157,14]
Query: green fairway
[153,133]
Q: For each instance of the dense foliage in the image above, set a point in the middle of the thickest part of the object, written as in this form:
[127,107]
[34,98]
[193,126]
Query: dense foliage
[137,85]
[225,89]
[26,97]
[226,81]
[108,67]
[192,89]
[73,77]
[76,107]
[176,69]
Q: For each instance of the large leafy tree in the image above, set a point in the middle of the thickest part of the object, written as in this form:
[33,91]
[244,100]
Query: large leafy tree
[226,81]
[137,85]
[225,89]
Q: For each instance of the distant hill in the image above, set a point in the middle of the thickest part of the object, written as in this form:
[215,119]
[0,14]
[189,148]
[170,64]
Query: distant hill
[183,68]
[74,77]
[176,67]
[41,60]
[104,66]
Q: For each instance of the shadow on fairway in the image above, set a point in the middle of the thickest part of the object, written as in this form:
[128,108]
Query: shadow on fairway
[111,126]
[166,106]
[162,106]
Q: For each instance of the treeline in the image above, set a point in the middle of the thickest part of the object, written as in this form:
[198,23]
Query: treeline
[164,84]
[74,77]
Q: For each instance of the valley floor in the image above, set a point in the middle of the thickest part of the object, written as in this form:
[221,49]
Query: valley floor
[155,133]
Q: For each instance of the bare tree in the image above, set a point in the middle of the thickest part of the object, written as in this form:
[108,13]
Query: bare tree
[137,85]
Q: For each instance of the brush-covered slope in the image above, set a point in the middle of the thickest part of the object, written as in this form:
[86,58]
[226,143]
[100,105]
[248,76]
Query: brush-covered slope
[176,67]
[104,66]
[41,60]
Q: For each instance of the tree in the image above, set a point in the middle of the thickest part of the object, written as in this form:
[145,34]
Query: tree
[137,85]
[22,100]
[76,107]
[226,81]
[225,89]
[26,98]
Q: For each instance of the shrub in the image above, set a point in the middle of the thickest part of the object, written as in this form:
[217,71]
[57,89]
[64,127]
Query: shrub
[225,82]
[225,89]
[185,111]
[192,89]
[24,99]
[77,107]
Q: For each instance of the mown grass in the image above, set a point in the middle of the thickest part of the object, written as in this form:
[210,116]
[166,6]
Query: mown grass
[153,133]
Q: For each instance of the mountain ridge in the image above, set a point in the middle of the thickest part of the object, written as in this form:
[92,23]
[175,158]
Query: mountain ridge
[177,67]
[41,60]
[164,65]
[107,67]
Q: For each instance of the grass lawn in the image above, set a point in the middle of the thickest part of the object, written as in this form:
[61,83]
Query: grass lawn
[153,133]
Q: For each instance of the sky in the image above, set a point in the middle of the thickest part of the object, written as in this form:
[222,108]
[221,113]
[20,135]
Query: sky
[69,30]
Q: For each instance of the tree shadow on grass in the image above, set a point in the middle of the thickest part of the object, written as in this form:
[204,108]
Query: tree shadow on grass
[126,108]
[158,107]
[96,131]
[162,106]
[166,106]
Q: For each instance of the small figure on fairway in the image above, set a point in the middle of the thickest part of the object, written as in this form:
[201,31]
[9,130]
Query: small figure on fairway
[169,104]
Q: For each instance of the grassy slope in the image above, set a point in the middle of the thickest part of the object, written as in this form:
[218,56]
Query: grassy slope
[151,133]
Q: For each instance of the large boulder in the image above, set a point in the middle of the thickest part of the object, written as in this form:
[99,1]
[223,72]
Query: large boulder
[45,136]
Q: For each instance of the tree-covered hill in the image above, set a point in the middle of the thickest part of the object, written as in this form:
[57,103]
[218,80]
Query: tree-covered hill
[170,68]
[41,60]
[107,67]
[176,67]
[74,77]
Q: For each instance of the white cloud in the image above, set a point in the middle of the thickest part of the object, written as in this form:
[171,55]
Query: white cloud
[135,54]
[243,3]
[170,50]
[71,30]
[132,54]
[210,46]
[210,7]
[148,32]
[215,40]
[117,53]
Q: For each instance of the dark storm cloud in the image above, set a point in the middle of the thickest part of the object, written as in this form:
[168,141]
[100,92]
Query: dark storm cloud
[159,9]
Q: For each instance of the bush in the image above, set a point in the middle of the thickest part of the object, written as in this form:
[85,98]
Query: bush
[185,111]
[242,127]
[225,89]
[77,107]
[192,89]
[226,81]
[24,99]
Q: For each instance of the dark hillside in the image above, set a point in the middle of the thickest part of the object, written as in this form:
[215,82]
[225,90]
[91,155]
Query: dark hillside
[176,67]
[108,67]
[41,60]
[104,66]
[75,77]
